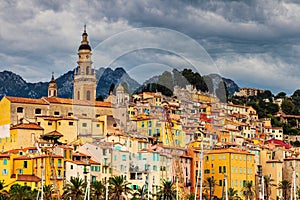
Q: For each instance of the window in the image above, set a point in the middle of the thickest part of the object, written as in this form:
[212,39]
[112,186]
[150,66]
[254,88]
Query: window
[224,169]
[19,110]
[220,182]
[49,123]
[38,111]
[71,123]
[220,169]
[70,114]
[71,166]
[97,125]
[20,171]
[4,161]
[149,132]
[25,165]
[56,113]
[123,157]
[143,124]
[4,171]
[87,70]
[78,95]
[149,123]
[84,125]
[59,162]
[88,95]
[154,168]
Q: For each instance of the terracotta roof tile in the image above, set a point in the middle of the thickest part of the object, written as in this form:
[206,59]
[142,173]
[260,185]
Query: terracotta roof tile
[4,155]
[58,100]
[80,154]
[26,100]
[22,158]
[54,133]
[31,126]
[27,178]
[77,162]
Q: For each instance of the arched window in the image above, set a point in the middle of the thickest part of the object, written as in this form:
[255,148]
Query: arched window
[87,70]
[78,95]
[88,95]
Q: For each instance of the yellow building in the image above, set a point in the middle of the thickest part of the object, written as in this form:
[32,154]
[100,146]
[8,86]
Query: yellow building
[238,165]
[25,166]
[21,136]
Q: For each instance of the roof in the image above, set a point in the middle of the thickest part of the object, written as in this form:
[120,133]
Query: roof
[228,150]
[26,177]
[31,126]
[77,162]
[58,100]
[84,47]
[80,154]
[26,100]
[4,155]
[23,158]
[279,142]
[54,133]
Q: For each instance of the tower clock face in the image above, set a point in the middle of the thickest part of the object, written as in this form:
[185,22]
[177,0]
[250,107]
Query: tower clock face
[87,56]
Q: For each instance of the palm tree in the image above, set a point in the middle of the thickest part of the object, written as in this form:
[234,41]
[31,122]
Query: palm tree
[268,184]
[233,194]
[166,191]
[47,191]
[18,192]
[118,187]
[191,196]
[211,183]
[298,193]
[140,193]
[32,194]
[3,192]
[74,189]
[248,190]
[284,185]
[97,190]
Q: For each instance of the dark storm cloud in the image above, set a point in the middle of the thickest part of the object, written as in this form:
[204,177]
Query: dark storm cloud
[254,42]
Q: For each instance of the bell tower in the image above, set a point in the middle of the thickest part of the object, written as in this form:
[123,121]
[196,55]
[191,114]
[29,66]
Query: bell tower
[84,74]
[52,87]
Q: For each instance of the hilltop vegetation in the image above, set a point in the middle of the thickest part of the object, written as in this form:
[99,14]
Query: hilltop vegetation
[264,104]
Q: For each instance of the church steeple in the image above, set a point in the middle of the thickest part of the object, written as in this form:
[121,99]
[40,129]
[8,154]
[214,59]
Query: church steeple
[84,42]
[52,88]
[85,75]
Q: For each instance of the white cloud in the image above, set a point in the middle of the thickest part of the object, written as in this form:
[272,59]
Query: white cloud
[47,34]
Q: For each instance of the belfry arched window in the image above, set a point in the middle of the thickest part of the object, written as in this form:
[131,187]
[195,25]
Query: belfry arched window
[88,95]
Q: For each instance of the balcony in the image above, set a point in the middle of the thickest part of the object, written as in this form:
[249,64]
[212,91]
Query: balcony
[105,164]
[57,177]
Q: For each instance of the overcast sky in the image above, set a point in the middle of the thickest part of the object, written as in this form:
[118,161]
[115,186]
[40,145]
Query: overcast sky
[255,43]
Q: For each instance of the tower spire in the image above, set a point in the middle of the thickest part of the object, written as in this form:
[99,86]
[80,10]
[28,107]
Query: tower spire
[84,28]
[52,87]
